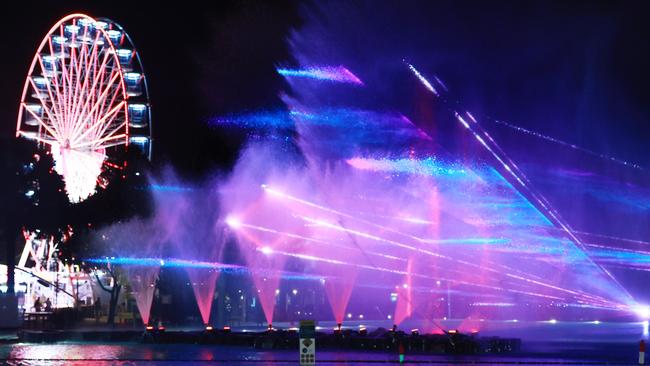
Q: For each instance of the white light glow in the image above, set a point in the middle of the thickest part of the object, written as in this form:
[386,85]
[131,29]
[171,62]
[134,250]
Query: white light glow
[79,170]
[272,191]
[642,311]
[124,53]
[233,222]
[423,80]
[132,76]
[139,139]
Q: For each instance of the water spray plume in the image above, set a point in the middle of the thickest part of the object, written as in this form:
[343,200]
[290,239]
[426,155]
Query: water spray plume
[324,73]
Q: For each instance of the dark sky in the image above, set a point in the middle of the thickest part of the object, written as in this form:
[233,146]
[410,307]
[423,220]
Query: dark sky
[575,70]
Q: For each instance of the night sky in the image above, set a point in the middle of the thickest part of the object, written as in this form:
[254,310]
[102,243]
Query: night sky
[575,70]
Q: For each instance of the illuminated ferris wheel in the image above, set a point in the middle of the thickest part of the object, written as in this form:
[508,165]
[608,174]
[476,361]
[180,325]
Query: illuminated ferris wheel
[86,101]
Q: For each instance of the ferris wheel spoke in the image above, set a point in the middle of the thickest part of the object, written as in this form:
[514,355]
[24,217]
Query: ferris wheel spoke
[115,91]
[107,145]
[99,83]
[96,93]
[65,79]
[84,91]
[119,126]
[105,122]
[98,143]
[56,79]
[101,115]
[76,77]
[52,132]
[51,117]
[54,112]
[105,107]
[76,100]
[75,60]
[117,134]
[101,99]
[82,73]
[45,108]
[72,77]
[98,123]
[98,78]
[108,100]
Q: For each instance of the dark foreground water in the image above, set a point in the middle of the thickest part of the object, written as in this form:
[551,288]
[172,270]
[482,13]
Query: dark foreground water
[542,344]
[183,354]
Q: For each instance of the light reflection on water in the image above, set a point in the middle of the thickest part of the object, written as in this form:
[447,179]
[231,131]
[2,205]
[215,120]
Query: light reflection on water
[124,354]
[137,354]
[62,354]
